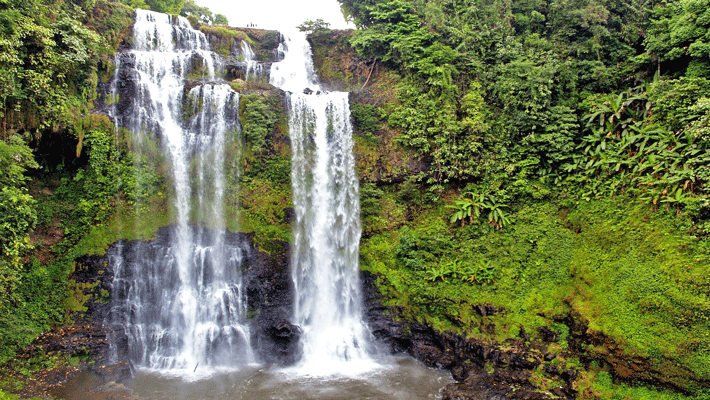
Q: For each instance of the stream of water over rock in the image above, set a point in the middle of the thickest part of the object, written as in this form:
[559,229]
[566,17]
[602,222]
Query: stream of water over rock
[178,302]
[326,233]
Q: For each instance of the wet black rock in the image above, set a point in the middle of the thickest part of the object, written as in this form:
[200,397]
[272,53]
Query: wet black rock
[486,309]
[548,334]
[270,298]
[469,360]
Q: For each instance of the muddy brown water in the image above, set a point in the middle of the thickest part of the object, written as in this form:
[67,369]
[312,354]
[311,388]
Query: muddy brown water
[398,378]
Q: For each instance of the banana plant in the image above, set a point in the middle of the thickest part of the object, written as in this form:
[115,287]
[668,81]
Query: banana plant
[467,208]
[439,272]
[496,216]
[462,209]
[477,201]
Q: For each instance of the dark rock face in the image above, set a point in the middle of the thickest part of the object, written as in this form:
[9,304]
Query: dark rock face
[126,88]
[339,67]
[92,276]
[634,369]
[465,358]
[484,386]
[270,296]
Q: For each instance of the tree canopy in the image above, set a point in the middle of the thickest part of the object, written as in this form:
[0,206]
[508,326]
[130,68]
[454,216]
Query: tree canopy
[506,94]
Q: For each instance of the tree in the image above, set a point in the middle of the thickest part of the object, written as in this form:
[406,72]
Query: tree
[678,37]
[356,11]
[220,19]
[166,6]
[48,65]
[311,27]
[203,14]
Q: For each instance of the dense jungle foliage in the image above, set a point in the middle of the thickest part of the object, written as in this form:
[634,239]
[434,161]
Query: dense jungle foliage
[566,175]
[605,95]
[53,55]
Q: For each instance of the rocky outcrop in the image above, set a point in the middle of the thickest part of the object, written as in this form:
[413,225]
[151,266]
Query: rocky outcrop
[482,370]
[339,67]
[594,346]
[75,351]
[228,43]
[270,296]
[380,157]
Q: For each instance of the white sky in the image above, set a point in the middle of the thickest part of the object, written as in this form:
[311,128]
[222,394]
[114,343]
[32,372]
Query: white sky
[277,14]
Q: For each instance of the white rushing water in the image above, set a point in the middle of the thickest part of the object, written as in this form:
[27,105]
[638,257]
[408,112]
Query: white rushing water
[326,233]
[181,301]
[254,69]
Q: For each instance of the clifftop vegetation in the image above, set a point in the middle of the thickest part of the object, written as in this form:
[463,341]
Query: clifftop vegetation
[565,92]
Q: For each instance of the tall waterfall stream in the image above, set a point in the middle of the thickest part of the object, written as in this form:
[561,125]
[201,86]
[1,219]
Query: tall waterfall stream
[179,301]
[326,232]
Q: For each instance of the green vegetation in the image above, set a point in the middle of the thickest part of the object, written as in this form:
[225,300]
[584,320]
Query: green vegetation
[201,15]
[509,92]
[566,164]
[165,6]
[312,27]
[17,208]
[621,269]
[265,192]
[54,54]
[7,396]
[259,116]
[50,61]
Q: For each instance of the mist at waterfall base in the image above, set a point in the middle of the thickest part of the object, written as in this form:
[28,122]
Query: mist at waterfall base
[404,379]
[179,301]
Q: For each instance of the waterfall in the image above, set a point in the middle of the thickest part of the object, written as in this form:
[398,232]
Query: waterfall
[254,69]
[180,299]
[326,232]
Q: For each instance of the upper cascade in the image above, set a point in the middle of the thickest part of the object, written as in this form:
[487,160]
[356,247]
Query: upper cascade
[254,69]
[159,32]
[296,72]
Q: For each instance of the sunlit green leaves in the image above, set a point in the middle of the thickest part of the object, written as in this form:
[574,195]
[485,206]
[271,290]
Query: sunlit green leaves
[166,6]
[47,64]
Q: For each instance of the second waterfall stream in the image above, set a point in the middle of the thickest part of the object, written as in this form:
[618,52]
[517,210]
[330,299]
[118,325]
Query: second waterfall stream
[326,232]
